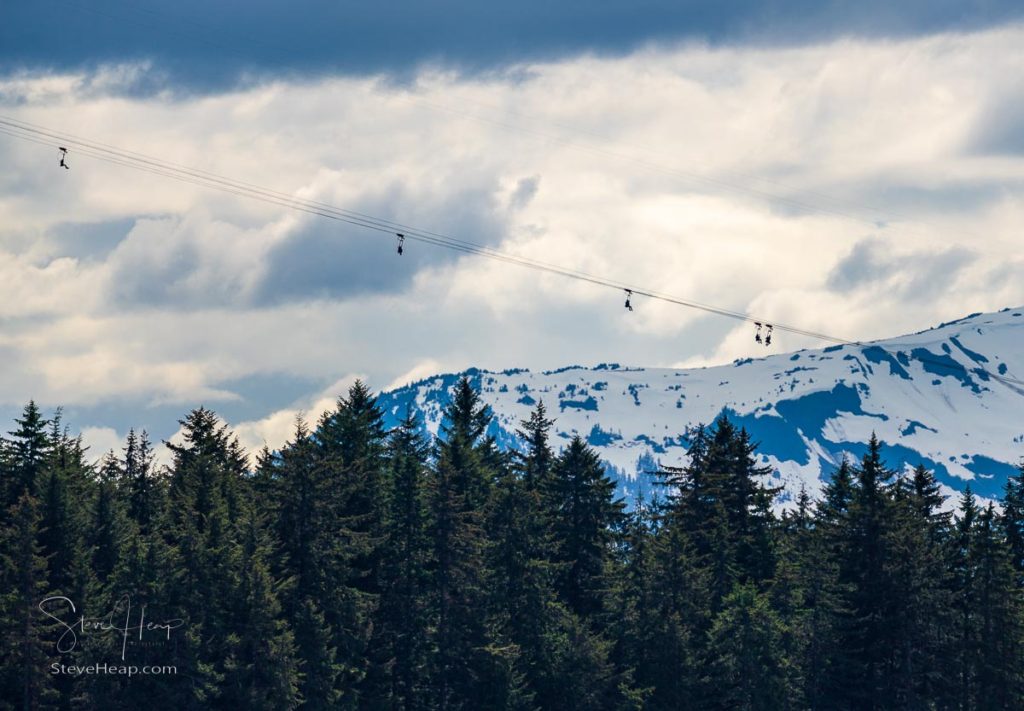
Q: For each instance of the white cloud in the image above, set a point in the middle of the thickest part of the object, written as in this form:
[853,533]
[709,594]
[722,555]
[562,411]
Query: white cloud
[101,440]
[423,369]
[689,171]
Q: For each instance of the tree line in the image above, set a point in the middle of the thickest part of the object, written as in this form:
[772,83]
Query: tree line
[361,568]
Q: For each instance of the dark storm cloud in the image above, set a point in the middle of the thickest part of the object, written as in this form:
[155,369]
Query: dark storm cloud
[202,46]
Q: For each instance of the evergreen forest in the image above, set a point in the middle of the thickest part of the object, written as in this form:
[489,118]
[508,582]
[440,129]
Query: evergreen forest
[364,568]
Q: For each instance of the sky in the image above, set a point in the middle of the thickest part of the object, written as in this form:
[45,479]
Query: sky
[852,169]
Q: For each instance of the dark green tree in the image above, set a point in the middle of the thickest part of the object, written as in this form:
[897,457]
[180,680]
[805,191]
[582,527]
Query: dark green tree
[26,642]
[351,449]
[141,486]
[870,607]
[808,597]
[313,560]
[1013,520]
[262,671]
[586,513]
[458,494]
[401,642]
[320,667]
[201,526]
[661,603]
[964,589]
[1000,680]
[27,450]
[537,459]
[919,608]
[748,667]
[106,532]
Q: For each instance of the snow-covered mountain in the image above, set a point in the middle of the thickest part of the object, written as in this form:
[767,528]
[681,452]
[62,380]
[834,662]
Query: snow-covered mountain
[949,397]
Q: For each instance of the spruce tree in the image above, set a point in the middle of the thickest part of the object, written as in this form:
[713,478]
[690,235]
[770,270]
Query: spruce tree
[300,494]
[142,488]
[65,536]
[64,533]
[536,461]
[350,447]
[522,573]
[1013,520]
[312,559]
[201,526]
[1000,681]
[401,641]
[965,643]
[834,508]
[106,531]
[26,642]
[581,675]
[586,512]
[725,509]
[27,450]
[262,672]
[748,505]
[320,667]
[352,444]
[661,602]
[142,579]
[919,606]
[748,666]
[458,492]
[808,597]
[870,603]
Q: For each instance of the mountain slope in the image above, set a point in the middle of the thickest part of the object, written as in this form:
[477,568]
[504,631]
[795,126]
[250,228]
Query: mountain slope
[934,397]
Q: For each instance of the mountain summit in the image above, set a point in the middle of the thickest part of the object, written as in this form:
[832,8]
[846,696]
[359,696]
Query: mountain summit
[950,398]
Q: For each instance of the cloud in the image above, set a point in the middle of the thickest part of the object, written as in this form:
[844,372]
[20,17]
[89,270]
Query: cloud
[864,265]
[226,47]
[832,187]
[999,130]
[421,370]
[101,440]
[187,263]
[526,190]
[325,259]
[876,264]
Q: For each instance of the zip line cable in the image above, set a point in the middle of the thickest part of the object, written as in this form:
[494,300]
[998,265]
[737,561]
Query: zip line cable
[138,161]
[206,179]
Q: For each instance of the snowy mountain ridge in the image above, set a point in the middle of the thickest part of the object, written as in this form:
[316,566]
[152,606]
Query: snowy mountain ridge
[932,397]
